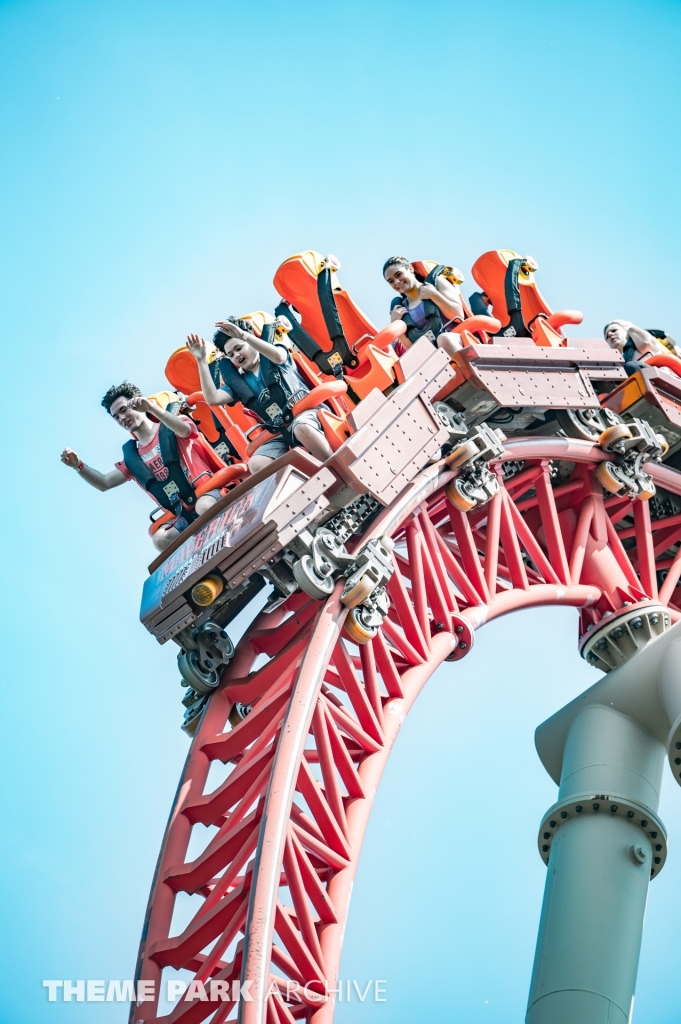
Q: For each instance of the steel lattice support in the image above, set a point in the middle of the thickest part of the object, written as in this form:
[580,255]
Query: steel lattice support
[276,876]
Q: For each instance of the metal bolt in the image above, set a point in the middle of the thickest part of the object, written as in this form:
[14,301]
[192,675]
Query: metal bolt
[547,835]
[677,760]
[596,806]
[578,808]
[463,646]
[563,814]
[654,619]
[459,629]
[630,814]
[678,746]
[545,848]
[644,823]
[658,846]
[602,644]
[658,860]
[614,808]
[636,623]
[617,633]
[653,835]
[552,824]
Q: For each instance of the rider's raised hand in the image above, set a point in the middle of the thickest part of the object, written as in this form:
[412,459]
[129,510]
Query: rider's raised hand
[230,329]
[428,291]
[142,404]
[198,348]
[69,458]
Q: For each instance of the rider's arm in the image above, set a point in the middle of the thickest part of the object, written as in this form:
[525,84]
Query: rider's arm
[102,481]
[644,341]
[446,297]
[212,394]
[179,425]
[275,353]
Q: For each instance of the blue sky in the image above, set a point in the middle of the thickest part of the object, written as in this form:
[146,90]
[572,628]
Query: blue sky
[159,161]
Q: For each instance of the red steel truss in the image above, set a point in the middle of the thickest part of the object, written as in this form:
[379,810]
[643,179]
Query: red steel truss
[276,876]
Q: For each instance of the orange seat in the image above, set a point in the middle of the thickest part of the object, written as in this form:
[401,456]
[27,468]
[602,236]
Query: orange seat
[665,359]
[296,282]
[535,318]
[222,478]
[164,520]
[479,322]
[236,422]
[322,393]
[377,359]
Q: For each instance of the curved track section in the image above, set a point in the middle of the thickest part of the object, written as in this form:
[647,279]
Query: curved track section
[275,876]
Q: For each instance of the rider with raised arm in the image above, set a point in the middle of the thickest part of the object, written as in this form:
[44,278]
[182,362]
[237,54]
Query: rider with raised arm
[163,457]
[634,343]
[426,308]
[262,376]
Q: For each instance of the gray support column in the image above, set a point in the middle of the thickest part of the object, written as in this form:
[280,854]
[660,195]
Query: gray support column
[600,839]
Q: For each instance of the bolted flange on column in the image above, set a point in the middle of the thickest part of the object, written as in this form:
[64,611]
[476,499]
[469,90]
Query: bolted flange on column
[614,640]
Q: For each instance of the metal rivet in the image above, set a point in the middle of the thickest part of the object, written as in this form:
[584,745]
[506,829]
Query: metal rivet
[552,824]
[596,806]
[614,808]
[630,814]
[578,808]
[463,646]
[653,835]
[677,760]
[545,848]
[644,823]
[547,835]
[563,814]
[658,860]
[678,746]
[658,846]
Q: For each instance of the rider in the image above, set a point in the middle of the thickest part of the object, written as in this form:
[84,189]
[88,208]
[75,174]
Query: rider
[634,343]
[427,309]
[163,457]
[256,372]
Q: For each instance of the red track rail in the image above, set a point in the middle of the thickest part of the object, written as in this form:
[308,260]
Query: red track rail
[291,816]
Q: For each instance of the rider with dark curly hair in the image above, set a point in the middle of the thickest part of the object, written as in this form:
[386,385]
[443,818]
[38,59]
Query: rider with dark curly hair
[164,456]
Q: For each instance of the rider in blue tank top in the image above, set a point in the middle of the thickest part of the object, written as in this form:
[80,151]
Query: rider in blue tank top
[426,309]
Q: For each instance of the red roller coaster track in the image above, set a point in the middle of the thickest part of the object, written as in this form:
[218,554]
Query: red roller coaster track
[306,762]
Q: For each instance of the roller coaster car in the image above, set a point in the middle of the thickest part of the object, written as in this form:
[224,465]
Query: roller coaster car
[523,387]
[268,525]
[508,280]
[335,334]
[653,393]
[234,431]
